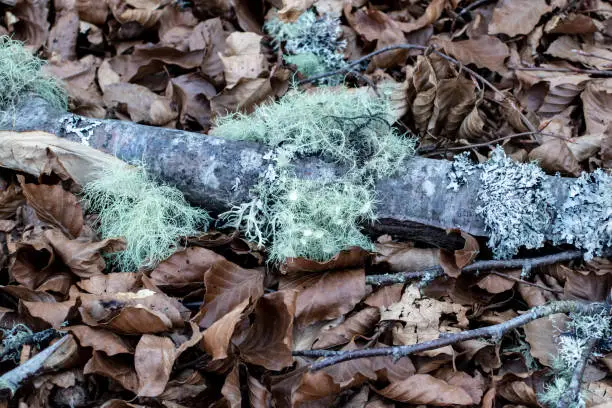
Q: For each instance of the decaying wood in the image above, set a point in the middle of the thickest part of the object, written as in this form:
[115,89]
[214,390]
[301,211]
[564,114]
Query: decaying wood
[215,173]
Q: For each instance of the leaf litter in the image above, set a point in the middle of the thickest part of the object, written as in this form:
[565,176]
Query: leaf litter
[209,322]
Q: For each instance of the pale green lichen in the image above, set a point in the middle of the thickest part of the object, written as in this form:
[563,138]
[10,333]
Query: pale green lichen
[21,75]
[312,43]
[308,218]
[152,217]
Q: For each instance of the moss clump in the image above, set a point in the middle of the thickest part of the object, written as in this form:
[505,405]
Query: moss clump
[312,44]
[20,75]
[150,216]
[308,218]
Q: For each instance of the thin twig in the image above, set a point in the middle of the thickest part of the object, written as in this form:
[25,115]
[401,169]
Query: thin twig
[472,6]
[524,282]
[527,264]
[423,48]
[562,69]
[572,394]
[495,332]
[593,55]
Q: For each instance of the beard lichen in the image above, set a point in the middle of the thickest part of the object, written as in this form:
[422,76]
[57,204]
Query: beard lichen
[312,43]
[151,217]
[21,75]
[316,219]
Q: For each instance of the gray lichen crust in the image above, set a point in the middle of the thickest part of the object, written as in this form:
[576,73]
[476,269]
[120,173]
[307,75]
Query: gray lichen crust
[313,44]
[585,218]
[515,204]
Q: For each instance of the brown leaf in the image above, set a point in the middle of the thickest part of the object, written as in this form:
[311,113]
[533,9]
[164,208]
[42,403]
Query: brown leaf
[454,101]
[243,97]
[33,262]
[314,386]
[55,206]
[114,368]
[555,156]
[184,267]
[453,261]
[227,285]
[385,296]
[388,369]
[325,296]
[216,339]
[515,17]
[402,256]
[432,13]
[356,325]
[153,361]
[268,341]
[590,54]
[597,106]
[570,24]
[484,52]
[425,389]
[586,146]
[244,59]
[84,258]
[53,313]
[425,82]
[140,103]
[259,396]
[62,39]
[541,334]
[110,283]
[474,126]
[32,25]
[351,373]
[497,284]
[192,93]
[474,386]
[231,388]
[100,340]
[292,9]
[91,11]
[354,257]
[210,37]
[10,199]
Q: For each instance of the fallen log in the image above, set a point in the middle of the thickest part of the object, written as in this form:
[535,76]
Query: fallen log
[215,173]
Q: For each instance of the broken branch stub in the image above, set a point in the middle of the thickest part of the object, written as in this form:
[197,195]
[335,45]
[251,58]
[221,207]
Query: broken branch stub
[216,173]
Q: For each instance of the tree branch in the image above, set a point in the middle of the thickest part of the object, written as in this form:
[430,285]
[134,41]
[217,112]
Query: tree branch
[526,264]
[495,332]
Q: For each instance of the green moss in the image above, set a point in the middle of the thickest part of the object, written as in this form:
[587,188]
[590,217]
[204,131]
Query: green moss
[20,75]
[151,217]
[307,218]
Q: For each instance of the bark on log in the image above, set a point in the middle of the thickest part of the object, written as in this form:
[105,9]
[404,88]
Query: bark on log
[215,173]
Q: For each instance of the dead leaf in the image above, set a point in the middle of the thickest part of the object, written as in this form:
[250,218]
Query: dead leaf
[356,325]
[53,313]
[153,361]
[354,257]
[474,386]
[62,39]
[54,205]
[571,23]
[454,100]
[292,9]
[515,17]
[91,11]
[589,54]
[314,386]
[185,267]
[216,339]
[432,13]
[401,257]
[11,198]
[597,105]
[268,341]
[454,261]
[192,93]
[33,262]
[110,283]
[140,103]
[227,285]
[243,59]
[555,156]
[243,97]
[114,368]
[84,258]
[484,52]
[100,340]
[541,334]
[325,296]
[385,296]
[497,284]
[426,389]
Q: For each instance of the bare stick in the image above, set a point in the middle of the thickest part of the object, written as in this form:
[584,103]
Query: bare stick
[12,380]
[524,282]
[573,391]
[495,332]
[527,264]
[423,48]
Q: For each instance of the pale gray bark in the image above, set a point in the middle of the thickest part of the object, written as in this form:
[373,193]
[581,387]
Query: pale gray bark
[216,173]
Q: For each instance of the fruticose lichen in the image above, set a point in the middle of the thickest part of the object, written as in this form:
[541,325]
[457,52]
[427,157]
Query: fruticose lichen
[21,75]
[152,217]
[316,218]
[585,218]
[312,43]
